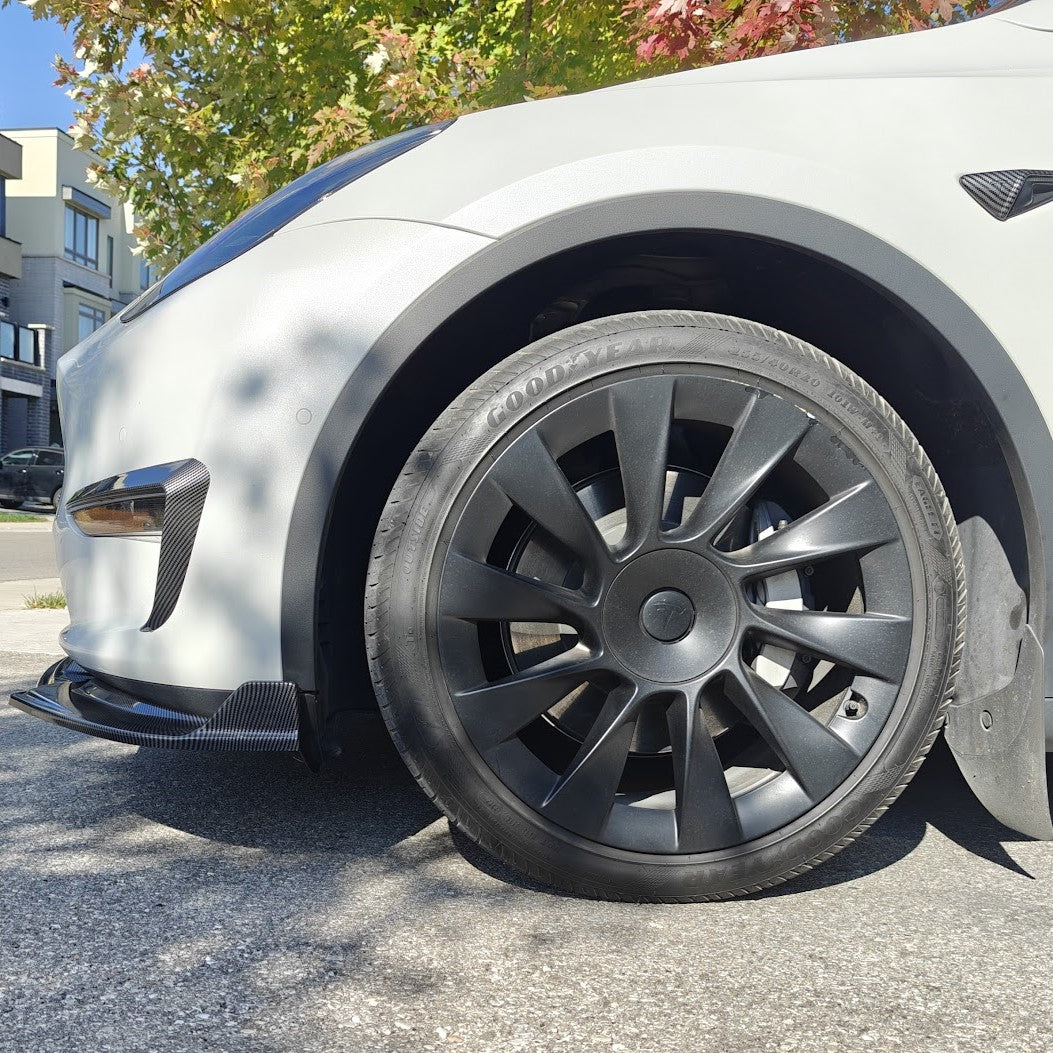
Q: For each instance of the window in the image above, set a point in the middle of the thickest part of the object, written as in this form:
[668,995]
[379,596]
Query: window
[82,238]
[18,343]
[146,275]
[27,346]
[52,458]
[88,320]
[18,459]
[3,207]
[109,255]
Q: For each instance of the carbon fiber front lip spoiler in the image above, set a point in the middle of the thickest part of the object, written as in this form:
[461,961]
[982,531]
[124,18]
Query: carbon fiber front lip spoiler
[258,716]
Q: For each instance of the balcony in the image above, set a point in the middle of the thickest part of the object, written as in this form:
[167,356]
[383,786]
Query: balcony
[10,258]
[10,158]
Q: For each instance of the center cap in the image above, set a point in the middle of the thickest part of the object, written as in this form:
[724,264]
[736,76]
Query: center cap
[669,635]
[667,615]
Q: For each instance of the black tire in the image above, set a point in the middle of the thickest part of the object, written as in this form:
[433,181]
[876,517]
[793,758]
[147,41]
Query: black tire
[7,503]
[437,674]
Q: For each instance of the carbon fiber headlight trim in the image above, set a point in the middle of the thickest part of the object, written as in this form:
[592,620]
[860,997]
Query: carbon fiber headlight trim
[183,485]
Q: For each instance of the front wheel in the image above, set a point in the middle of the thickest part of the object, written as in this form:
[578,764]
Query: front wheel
[56,497]
[665,607]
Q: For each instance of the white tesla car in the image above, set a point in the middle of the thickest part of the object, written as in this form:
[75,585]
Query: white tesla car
[669,463]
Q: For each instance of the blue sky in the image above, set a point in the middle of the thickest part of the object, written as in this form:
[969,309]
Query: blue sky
[28,99]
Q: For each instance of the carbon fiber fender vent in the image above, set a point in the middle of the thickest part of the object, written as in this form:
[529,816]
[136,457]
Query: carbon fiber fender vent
[1009,193]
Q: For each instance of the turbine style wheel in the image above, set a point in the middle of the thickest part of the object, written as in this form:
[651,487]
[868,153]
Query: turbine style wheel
[665,607]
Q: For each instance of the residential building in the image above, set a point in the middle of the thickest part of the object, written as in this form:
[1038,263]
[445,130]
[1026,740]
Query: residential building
[75,269]
[24,408]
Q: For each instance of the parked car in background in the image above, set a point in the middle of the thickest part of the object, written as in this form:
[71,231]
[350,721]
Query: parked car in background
[666,467]
[33,474]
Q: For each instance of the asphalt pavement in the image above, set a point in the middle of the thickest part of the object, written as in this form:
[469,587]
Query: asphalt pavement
[27,550]
[167,901]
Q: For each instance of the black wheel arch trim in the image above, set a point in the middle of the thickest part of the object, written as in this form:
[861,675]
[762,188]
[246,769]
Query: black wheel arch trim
[1026,440]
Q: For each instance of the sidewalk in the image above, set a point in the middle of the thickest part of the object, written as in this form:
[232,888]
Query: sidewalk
[29,632]
[27,568]
[32,632]
[13,594]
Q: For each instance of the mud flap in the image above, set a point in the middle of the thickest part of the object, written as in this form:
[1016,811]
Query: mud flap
[999,742]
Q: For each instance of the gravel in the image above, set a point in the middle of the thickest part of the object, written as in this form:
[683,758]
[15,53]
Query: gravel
[168,901]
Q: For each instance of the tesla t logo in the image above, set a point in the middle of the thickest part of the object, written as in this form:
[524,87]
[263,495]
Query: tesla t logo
[670,618]
[667,615]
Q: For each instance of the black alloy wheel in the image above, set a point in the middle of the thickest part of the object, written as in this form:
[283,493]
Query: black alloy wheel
[665,607]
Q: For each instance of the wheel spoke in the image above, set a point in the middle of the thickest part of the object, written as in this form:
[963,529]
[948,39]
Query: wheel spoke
[852,521]
[818,758]
[768,429]
[706,816]
[641,414]
[583,795]
[492,714]
[876,644]
[476,591]
[530,478]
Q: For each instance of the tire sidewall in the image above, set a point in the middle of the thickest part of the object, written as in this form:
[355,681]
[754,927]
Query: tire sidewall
[408,673]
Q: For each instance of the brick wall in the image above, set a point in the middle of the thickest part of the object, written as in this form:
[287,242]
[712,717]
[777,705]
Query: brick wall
[38,298]
[25,420]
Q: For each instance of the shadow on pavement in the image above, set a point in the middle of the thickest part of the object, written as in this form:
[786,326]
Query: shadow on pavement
[938,797]
[364,803]
[168,900]
[368,802]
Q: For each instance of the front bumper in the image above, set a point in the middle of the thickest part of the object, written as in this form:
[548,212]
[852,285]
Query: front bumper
[258,716]
[238,372]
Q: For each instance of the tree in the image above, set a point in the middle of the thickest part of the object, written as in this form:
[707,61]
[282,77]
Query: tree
[199,108]
[675,34]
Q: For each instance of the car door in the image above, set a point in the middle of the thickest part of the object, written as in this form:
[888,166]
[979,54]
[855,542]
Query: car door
[45,474]
[14,474]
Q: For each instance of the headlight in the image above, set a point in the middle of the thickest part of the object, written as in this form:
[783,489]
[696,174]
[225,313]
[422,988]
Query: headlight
[136,516]
[270,215]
